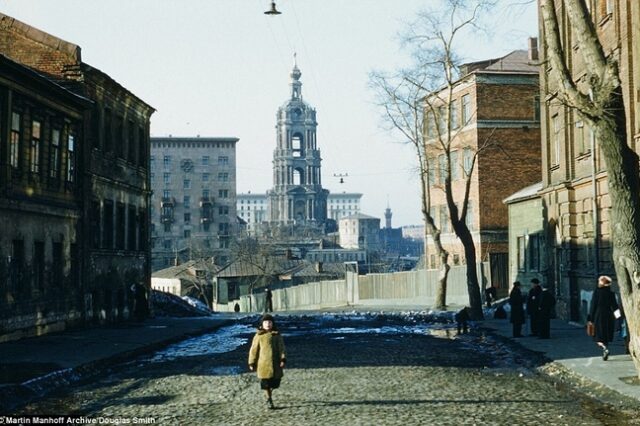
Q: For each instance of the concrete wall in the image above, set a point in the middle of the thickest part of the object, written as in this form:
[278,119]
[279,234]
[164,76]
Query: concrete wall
[402,288]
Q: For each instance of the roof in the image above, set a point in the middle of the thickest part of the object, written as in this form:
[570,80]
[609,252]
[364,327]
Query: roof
[257,267]
[524,194]
[359,216]
[205,139]
[515,61]
[184,270]
[328,270]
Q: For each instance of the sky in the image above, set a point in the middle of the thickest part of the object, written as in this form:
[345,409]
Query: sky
[221,68]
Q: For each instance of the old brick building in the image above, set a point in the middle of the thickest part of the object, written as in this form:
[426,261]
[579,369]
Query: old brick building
[74,152]
[574,179]
[494,113]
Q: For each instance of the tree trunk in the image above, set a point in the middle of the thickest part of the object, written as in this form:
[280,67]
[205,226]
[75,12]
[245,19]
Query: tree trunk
[473,285]
[624,191]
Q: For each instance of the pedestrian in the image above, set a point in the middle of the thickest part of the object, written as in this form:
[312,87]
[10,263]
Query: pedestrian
[268,305]
[517,310]
[141,303]
[532,305]
[462,318]
[236,308]
[267,356]
[546,306]
[603,306]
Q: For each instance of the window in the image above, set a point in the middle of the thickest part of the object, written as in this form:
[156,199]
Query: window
[119,136]
[454,165]
[223,193]
[467,160]
[444,220]
[223,210]
[166,161]
[95,223]
[132,228]
[456,259]
[166,193]
[167,244]
[167,227]
[187,202]
[71,158]
[536,108]
[108,136]
[14,154]
[534,252]
[223,228]
[521,253]
[38,264]
[442,121]
[167,178]
[108,224]
[152,161]
[555,141]
[34,154]
[431,165]
[466,109]
[455,115]
[121,231]
[142,147]
[469,219]
[187,184]
[130,141]
[223,161]
[205,160]
[579,136]
[431,125]
[223,177]
[187,233]
[442,168]
[205,177]
[187,218]
[58,263]
[54,154]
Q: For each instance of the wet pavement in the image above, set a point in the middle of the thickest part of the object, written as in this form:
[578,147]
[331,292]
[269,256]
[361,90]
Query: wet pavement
[342,370]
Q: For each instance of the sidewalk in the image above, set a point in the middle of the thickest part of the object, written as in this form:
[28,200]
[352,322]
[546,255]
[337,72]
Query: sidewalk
[572,348]
[33,366]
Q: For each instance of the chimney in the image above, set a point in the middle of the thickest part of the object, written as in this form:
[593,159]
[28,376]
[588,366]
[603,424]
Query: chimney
[533,49]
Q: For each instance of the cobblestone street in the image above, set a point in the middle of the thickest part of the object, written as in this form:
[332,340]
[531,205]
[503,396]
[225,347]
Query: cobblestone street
[341,371]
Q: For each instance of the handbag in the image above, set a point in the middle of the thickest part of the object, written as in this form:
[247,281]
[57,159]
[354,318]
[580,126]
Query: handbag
[591,329]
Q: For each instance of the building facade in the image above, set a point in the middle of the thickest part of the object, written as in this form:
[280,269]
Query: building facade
[360,231]
[253,209]
[297,195]
[574,179]
[343,204]
[193,212]
[75,187]
[494,118]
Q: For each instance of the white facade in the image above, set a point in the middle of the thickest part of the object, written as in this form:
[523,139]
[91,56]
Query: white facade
[343,204]
[359,232]
[253,209]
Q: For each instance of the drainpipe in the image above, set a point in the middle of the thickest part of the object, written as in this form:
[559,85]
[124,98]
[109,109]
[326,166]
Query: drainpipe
[594,187]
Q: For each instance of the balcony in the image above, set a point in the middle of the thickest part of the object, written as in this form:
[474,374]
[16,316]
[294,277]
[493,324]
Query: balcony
[166,218]
[206,201]
[168,202]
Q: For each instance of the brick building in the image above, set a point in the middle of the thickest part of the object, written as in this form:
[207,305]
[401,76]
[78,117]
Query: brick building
[494,113]
[574,179]
[74,187]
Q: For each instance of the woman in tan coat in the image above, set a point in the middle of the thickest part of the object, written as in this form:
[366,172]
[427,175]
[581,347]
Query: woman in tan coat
[267,356]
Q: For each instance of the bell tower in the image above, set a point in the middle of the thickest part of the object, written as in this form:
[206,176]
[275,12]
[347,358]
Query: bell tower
[297,195]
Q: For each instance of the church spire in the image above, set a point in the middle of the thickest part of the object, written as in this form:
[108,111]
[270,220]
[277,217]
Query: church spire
[296,85]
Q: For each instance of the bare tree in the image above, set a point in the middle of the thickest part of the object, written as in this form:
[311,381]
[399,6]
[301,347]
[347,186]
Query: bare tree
[401,101]
[599,99]
[432,38]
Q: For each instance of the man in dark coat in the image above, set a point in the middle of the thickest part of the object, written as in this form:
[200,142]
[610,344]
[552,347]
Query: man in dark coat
[517,310]
[268,301]
[532,305]
[603,306]
[545,310]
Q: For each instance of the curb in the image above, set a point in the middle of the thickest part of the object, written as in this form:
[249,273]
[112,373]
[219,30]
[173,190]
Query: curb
[15,396]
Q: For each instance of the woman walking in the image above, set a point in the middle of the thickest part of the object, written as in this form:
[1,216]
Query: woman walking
[603,305]
[267,356]
[517,310]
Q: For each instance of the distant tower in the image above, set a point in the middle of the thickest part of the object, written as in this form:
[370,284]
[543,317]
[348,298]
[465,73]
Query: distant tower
[387,217]
[297,194]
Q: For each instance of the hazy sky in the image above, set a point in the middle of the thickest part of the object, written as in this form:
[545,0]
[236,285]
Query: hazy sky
[221,68]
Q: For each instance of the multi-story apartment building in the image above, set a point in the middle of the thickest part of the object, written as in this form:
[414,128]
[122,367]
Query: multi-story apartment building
[74,153]
[360,231]
[343,204]
[576,244]
[495,117]
[253,209]
[193,211]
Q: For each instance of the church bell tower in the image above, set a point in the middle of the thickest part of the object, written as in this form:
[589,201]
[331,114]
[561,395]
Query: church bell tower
[297,195]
